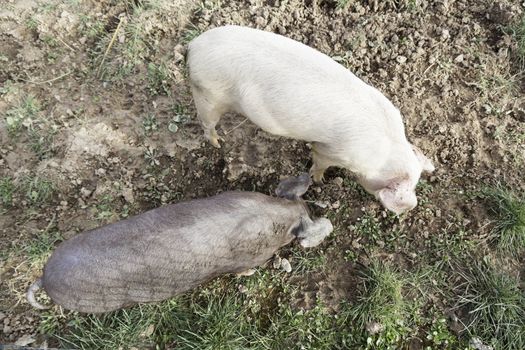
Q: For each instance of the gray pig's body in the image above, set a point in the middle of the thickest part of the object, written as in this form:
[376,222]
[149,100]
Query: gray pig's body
[169,250]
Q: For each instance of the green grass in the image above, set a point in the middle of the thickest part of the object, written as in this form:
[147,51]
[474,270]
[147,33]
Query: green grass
[517,31]
[92,28]
[508,212]
[379,232]
[31,23]
[381,304]
[440,337]
[190,33]
[28,257]
[180,117]
[158,79]
[152,156]
[41,142]
[7,189]
[123,57]
[307,260]
[150,124]
[26,115]
[217,316]
[22,115]
[343,3]
[37,250]
[105,208]
[36,190]
[258,312]
[494,304]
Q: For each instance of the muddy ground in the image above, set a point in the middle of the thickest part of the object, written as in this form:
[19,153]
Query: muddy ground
[98,124]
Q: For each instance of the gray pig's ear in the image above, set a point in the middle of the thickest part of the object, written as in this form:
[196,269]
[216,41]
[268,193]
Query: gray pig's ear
[312,233]
[426,163]
[294,187]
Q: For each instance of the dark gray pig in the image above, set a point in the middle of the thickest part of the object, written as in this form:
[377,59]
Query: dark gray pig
[169,250]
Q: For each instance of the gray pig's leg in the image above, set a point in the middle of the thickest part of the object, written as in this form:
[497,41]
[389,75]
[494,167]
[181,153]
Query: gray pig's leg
[312,233]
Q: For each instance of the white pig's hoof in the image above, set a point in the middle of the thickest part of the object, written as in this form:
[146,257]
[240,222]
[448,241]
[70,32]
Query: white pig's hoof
[215,142]
[318,179]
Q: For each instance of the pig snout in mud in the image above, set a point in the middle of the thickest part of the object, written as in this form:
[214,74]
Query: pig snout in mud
[169,250]
[292,90]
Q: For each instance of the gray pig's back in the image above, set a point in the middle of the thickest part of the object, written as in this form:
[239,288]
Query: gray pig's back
[168,250]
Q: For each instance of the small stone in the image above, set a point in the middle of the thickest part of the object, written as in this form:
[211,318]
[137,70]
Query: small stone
[85,192]
[477,344]
[148,331]
[338,181]
[321,204]
[276,262]
[401,59]
[179,48]
[177,57]
[127,193]
[458,59]
[374,327]
[445,34]
[242,288]
[260,22]
[100,172]
[285,264]
[25,340]
[336,205]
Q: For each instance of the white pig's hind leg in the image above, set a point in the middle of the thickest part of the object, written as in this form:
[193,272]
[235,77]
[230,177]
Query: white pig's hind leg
[209,114]
[319,165]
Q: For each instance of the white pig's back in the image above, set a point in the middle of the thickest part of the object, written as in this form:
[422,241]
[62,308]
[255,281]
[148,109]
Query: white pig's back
[285,87]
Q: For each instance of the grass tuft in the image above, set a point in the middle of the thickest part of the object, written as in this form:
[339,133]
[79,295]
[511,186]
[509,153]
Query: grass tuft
[22,115]
[387,309]
[37,190]
[494,305]
[39,249]
[381,296]
[517,31]
[190,33]
[217,316]
[508,211]
[158,79]
[7,189]
[340,4]
[150,123]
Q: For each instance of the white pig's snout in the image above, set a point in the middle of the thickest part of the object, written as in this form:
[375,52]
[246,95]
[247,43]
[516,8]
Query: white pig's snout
[397,201]
[406,204]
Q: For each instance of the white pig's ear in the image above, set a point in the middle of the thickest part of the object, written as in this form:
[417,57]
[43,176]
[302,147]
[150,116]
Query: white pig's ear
[426,163]
[398,196]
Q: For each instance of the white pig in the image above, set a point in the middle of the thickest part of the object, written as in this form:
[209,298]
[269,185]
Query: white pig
[292,90]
